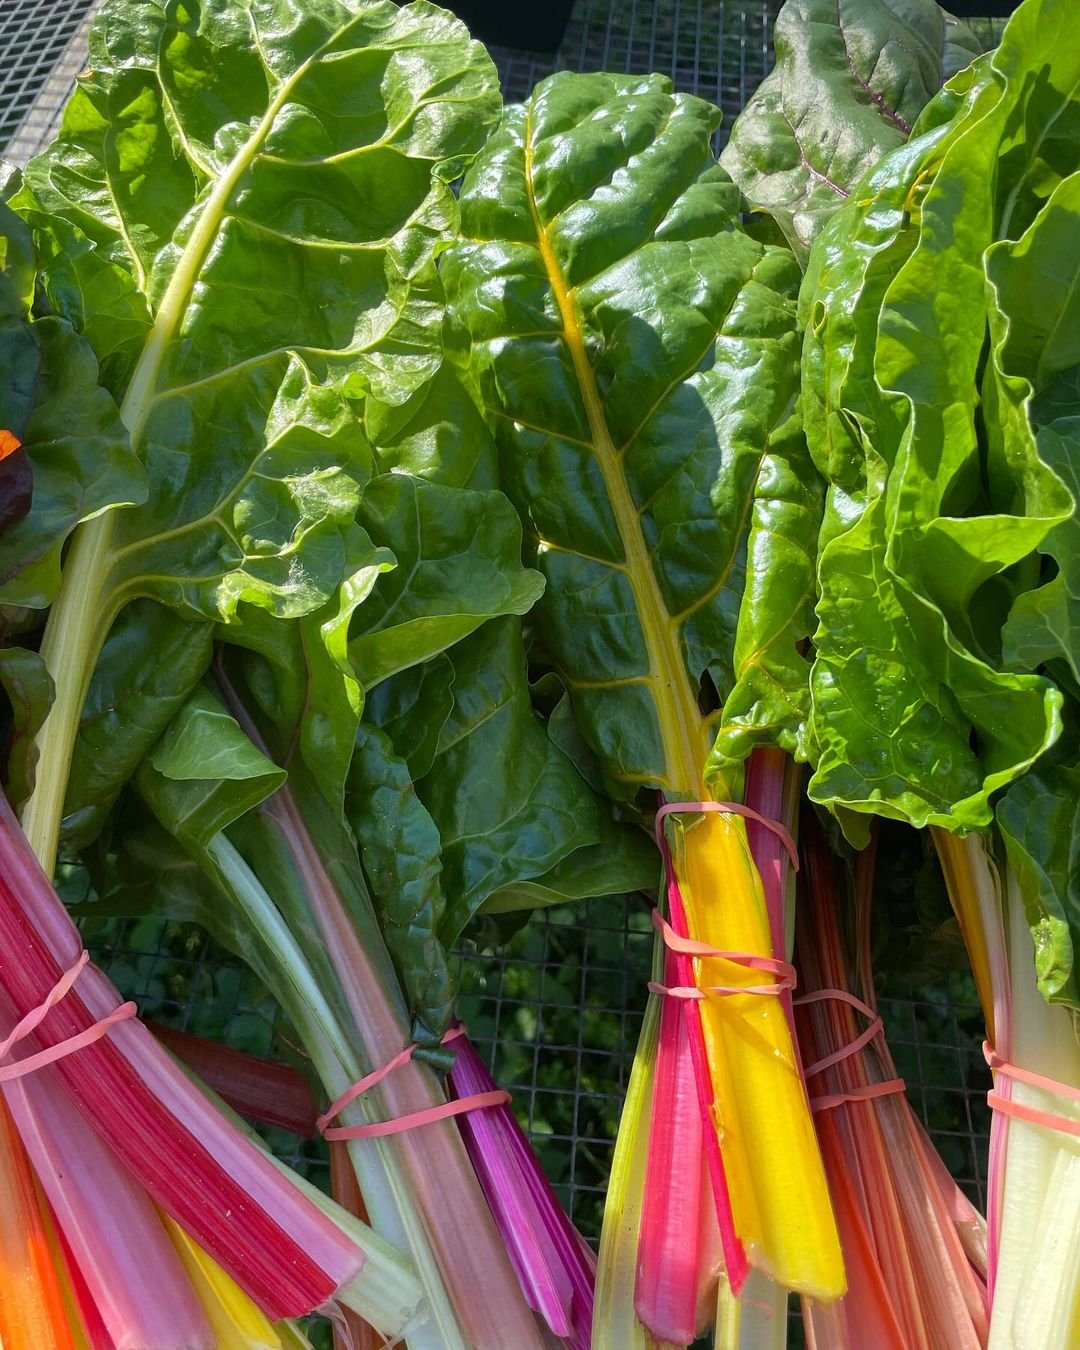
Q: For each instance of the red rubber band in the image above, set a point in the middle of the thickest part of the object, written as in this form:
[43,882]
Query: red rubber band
[726,808]
[33,1019]
[415,1119]
[1030,1114]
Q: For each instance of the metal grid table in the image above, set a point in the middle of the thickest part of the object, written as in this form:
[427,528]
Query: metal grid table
[558,1010]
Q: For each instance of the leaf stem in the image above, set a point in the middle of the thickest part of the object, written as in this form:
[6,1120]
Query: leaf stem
[682,727]
[78,623]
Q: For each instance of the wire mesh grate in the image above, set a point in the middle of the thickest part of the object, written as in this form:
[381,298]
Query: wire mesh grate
[558,1009]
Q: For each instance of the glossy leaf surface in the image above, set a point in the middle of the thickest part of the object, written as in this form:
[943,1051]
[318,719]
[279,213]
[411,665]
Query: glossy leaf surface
[617,319]
[913,713]
[850,79]
[70,458]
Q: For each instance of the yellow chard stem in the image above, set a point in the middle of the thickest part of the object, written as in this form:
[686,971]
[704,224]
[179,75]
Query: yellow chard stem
[237,1323]
[779,1195]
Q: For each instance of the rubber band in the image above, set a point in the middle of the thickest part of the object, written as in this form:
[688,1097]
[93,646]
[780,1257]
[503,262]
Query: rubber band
[33,1019]
[689,947]
[726,808]
[853,1047]
[1031,1115]
[378,1129]
[784,972]
[861,1094]
[828,1101]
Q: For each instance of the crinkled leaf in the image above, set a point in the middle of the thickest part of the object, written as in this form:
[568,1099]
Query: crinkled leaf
[204,772]
[770,701]
[74,460]
[151,662]
[509,806]
[913,714]
[1035,316]
[400,849]
[850,79]
[300,674]
[459,564]
[216,164]
[29,689]
[437,434]
[616,317]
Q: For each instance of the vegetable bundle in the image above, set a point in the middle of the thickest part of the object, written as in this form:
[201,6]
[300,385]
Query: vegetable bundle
[776,456]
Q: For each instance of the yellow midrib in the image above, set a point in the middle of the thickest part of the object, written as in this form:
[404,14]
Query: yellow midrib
[681,723]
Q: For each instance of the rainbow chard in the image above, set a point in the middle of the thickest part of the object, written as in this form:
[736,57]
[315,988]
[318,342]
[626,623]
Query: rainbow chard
[125,1075]
[208,165]
[554,1264]
[309,908]
[636,355]
[943,690]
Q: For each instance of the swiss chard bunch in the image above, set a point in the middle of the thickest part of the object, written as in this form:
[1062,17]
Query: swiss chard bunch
[281,684]
[939,386]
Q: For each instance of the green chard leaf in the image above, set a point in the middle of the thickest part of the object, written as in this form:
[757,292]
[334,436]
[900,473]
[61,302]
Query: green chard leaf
[73,460]
[151,662]
[205,772]
[850,80]
[242,213]
[519,825]
[617,339]
[459,556]
[29,691]
[401,851]
[914,712]
[1035,320]
[222,162]
[770,701]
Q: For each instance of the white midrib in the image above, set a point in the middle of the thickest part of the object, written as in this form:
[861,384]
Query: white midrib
[84,610]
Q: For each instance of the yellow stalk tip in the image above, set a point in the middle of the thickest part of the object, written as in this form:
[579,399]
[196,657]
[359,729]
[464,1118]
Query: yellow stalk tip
[779,1195]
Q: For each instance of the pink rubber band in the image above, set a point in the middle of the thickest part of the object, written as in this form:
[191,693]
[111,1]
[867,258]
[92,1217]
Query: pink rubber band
[689,947]
[784,972]
[412,1121]
[1030,1114]
[685,991]
[862,1094]
[457,1107]
[827,1101]
[726,808]
[34,1018]
[853,1047]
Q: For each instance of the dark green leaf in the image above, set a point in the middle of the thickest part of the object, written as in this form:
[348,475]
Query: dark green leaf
[75,461]
[400,849]
[151,662]
[411,708]
[29,691]
[510,808]
[616,336]
[850,79]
